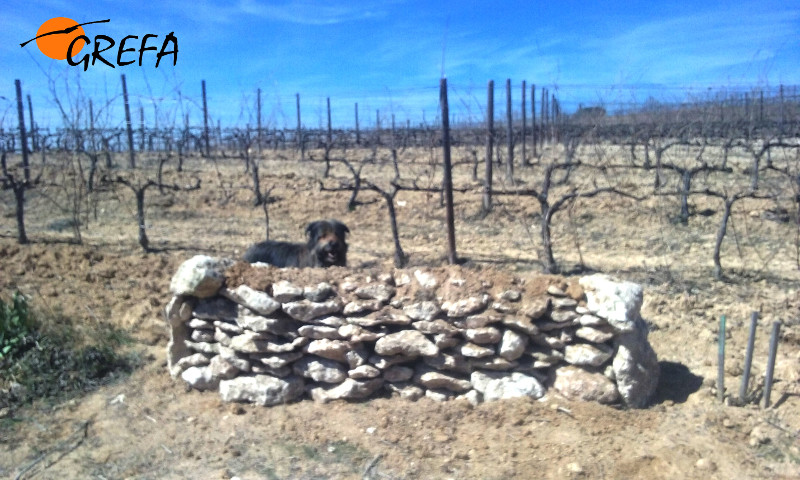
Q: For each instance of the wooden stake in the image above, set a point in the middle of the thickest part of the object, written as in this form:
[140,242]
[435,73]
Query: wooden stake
[447,180]
[129,125]
[487,186]
[22,134]
[510,135]
[205,121]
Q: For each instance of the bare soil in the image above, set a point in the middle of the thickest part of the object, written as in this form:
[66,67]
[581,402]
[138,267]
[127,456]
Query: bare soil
[148,426]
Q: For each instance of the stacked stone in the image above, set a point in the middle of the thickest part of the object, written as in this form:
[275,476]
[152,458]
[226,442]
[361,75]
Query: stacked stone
[354,339]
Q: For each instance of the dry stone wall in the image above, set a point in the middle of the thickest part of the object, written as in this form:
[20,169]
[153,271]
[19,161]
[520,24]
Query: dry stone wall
[441,334]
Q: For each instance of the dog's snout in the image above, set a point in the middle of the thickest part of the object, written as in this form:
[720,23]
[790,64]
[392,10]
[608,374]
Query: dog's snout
[330,244]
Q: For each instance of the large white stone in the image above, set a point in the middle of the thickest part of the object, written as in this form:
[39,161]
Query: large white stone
[482,336]
[193,360]
[348,389]
[201,378]
[426,310]
[320,369]
[512,345]
[177,311]
[576,383]
[255,300]
[595,334]
[498,386]
[358,334]
[201,276]
[439,380]
[466,306]
[586,354]
[364,372]
[261,389]
[330,349]
[616,301]
[305,310]
[284,291]
[222,368]
[471,350]
[636,367]
[409,343]
[635,364]
[426,280]
[257,323]
[376,291]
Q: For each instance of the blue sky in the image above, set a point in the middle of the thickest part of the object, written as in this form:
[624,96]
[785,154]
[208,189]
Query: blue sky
[389,55]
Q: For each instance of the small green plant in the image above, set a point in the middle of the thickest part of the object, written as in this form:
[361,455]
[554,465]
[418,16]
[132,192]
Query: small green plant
[43,356]
[15,324]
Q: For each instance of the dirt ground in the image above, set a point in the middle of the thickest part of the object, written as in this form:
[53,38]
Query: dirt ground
[148,426]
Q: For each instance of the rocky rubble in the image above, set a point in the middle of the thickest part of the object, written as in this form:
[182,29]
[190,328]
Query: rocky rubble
[407,333]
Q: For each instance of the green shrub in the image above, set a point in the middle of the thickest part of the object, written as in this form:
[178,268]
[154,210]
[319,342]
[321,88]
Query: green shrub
[47,358]
[15,325]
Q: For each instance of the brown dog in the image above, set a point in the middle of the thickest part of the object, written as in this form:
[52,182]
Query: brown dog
[326,247]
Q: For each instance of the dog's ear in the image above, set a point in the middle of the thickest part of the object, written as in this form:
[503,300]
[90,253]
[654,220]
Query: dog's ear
[340,227]
[312,229]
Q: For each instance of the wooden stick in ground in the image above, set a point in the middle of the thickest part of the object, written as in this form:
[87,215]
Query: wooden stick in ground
[22,135]
[487,184]
[448,179]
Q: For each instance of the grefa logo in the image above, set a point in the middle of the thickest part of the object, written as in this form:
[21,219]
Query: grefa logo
[62,38]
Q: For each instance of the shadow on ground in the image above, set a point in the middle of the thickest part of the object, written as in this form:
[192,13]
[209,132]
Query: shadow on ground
[676,383]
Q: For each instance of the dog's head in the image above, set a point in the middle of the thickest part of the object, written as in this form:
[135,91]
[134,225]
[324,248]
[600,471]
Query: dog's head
[326,239]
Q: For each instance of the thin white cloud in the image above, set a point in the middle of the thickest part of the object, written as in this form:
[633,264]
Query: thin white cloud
[308,12]
[699,47]
[302,12]
[478,58]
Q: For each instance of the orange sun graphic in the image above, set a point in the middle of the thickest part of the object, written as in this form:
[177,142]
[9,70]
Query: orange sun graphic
[55,45]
